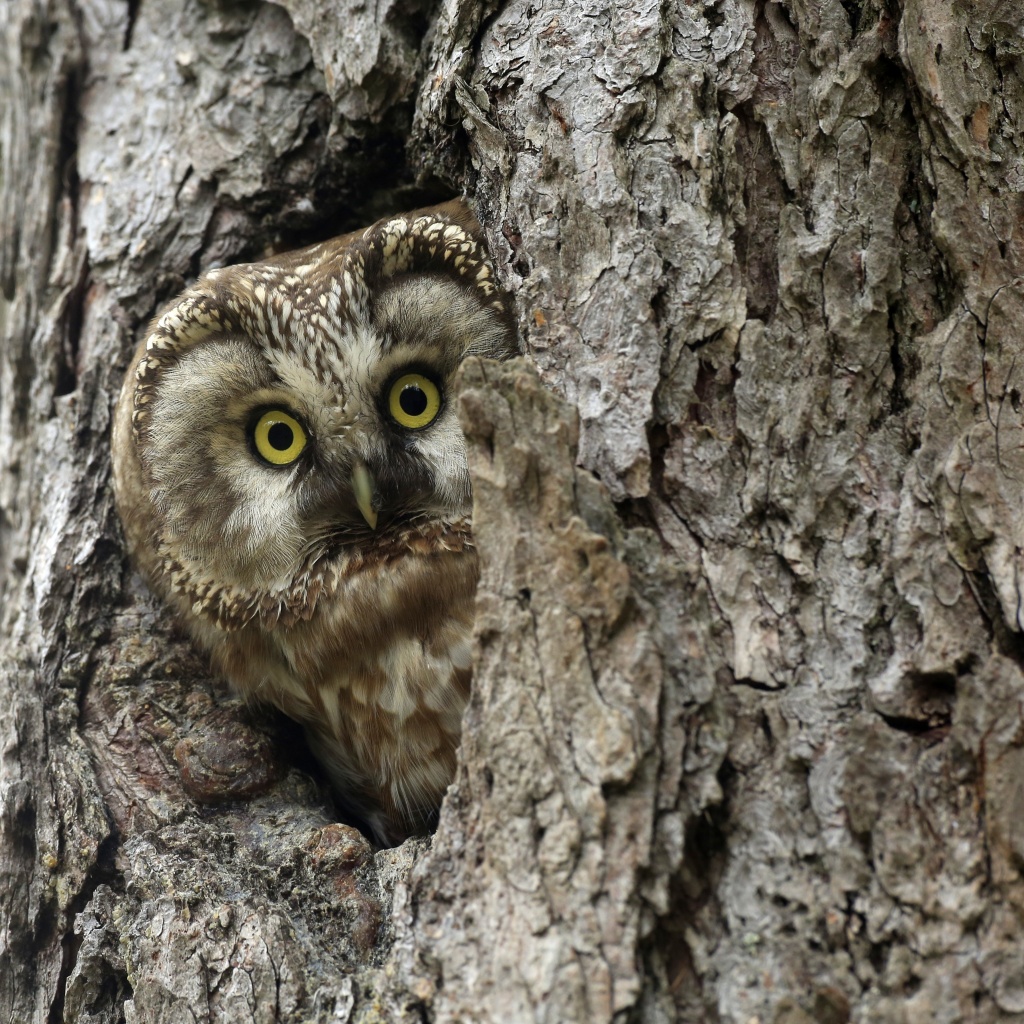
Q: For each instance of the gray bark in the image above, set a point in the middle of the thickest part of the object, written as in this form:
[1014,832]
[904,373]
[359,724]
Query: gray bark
[746,737]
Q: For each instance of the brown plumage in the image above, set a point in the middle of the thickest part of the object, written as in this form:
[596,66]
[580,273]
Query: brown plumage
[292,480]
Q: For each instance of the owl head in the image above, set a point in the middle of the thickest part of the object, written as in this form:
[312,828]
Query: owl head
[284,414]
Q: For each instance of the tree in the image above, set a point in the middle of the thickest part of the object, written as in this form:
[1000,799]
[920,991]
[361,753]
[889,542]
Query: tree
[745,740]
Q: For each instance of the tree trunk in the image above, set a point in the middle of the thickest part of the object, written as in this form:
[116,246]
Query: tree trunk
[746,741]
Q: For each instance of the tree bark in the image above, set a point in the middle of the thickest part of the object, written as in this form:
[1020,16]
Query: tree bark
[746,740]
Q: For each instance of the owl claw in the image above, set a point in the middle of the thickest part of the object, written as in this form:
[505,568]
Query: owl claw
[362,488]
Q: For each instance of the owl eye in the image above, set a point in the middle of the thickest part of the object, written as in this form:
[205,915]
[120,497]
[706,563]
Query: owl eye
[414,401]
[278,437]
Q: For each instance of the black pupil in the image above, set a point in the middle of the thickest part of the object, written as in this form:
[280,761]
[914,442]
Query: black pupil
[413,400]
[280,436]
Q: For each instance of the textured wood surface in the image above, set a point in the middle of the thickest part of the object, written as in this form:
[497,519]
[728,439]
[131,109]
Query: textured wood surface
[746,737]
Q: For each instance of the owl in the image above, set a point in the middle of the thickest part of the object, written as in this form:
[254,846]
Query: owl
[292,481]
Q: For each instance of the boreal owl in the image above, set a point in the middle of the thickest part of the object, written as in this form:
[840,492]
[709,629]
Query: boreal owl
[292,481]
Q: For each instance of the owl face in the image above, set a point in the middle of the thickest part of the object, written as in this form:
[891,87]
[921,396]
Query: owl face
[290,413]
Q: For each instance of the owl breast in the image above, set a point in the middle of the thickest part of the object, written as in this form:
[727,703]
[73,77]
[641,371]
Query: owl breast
[292,480]
[379,673]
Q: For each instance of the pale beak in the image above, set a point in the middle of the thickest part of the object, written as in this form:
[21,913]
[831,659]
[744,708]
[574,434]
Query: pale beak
[362,488]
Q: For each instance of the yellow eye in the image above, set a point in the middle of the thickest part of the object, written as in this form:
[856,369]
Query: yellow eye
[278,437]
[414,401]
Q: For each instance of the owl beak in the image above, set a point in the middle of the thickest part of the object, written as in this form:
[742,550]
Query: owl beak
[362,488]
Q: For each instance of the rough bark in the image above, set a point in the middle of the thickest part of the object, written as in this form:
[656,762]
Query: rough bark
[746,741]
